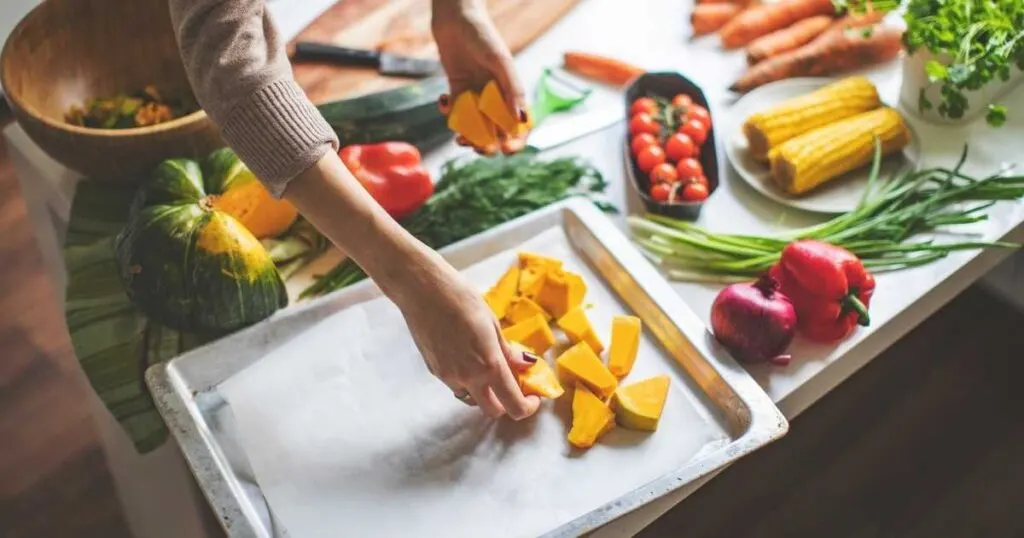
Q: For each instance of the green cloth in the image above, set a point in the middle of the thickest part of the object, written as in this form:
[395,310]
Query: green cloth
[114,343]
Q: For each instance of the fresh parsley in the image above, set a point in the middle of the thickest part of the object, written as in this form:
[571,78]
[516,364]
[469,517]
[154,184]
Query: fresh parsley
[982,39]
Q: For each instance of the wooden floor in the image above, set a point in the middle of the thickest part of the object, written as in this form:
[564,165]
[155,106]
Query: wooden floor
[927,441]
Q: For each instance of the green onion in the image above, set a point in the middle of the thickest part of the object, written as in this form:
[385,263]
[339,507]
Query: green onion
[878,230]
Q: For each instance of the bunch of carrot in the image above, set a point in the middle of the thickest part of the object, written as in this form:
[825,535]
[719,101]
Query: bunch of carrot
[792,38]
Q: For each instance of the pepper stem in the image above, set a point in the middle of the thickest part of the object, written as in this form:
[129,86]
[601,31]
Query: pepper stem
[851,302]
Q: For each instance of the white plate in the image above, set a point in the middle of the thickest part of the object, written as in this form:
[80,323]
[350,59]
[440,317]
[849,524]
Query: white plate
[837,196]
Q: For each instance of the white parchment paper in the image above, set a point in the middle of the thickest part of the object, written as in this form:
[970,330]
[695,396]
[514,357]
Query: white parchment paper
[349,435]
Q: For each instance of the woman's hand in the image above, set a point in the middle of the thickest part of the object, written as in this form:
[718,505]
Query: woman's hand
[472,54]
[452,326]
[462,345]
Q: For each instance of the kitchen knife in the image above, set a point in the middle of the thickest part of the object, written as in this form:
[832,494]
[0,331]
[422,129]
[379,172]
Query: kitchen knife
[387,64]
[572,127]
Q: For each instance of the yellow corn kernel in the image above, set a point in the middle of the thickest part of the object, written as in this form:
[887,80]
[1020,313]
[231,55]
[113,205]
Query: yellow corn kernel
[848,97]
[826,153]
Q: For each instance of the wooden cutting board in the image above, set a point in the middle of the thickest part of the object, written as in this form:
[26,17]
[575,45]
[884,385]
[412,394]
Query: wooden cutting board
[403,27]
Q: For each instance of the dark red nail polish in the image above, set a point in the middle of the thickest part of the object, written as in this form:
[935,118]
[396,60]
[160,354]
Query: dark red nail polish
[523,116]
[530,357]
[443,99]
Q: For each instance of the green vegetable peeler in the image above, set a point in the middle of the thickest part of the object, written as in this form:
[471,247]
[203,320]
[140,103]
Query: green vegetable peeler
[549,100]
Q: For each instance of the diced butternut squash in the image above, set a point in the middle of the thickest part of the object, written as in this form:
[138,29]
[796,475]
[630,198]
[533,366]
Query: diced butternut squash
[541,380]
[466,119]
[533,268]
[561,292]
[580,364]
[625,342]
[533,333]
[577,327]
[499,297]
[522,309]
[591,418]
[639,406]
[493,105]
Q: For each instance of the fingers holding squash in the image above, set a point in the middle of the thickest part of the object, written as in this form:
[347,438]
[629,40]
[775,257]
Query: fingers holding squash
[485,121]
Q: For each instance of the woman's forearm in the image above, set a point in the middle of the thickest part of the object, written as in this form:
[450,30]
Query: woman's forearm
[333,200]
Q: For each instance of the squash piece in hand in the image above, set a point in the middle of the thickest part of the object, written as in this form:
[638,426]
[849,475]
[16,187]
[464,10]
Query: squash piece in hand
[522,309]
[500,296]
[576,325]
[625,342]
[591,418]
[639,406]
[493,105]
[540,379]
[533,333]
[466,120]
[580,364]
[562,290]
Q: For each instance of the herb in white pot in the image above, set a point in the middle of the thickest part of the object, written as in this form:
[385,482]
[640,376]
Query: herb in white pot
[970,50]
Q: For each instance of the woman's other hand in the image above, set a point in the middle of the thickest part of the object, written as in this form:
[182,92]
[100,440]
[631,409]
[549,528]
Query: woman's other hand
[462,345]
[472,54]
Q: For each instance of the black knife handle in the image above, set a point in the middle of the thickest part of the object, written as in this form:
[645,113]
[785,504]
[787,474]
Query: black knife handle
[319,51]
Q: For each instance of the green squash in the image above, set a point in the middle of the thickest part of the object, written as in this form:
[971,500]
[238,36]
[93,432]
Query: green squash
[405,114]
[189,265]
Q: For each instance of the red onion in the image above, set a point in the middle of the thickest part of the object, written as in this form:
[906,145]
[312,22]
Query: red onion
[754,321]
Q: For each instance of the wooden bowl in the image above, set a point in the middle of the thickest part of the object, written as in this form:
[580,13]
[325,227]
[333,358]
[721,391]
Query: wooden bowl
[668,85]
[66,52]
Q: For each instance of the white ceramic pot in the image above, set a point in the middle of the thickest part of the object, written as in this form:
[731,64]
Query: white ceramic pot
[915,78]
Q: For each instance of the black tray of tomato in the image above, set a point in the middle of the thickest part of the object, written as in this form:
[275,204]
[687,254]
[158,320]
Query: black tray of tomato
[671,150]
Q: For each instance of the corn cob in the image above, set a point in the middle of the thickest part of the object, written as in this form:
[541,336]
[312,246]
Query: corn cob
[816,157]
[766,130]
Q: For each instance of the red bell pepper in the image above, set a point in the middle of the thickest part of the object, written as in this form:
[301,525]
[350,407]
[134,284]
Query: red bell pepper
[392,173]
[829,287]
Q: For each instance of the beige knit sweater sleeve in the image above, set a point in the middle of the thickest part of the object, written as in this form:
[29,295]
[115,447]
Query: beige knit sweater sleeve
[241,76]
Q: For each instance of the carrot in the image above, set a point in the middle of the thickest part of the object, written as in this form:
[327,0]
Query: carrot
[765,19]
[779,41]
[601,68]
[737,2]
[857,21]
[708,18]
[838,50]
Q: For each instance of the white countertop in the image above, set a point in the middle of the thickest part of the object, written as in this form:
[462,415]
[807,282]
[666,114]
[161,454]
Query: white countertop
[654,35]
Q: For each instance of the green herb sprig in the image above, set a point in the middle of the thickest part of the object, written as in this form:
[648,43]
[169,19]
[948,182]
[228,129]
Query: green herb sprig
[879,230]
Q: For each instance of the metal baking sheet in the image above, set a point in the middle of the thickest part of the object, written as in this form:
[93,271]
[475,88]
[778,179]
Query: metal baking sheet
[186,389]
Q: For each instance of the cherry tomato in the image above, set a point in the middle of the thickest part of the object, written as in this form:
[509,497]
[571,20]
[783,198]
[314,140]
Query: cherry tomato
[664,173]
[679,146]
[682,101]
[688,169]
[645,105]
[641,141]
[650,157]
[701,180]
[644,123]
[661,192]
[700,114]
[695,130]
[694,192]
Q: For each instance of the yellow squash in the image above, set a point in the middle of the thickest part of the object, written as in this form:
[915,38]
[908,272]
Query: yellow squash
[591,418]
[466,119]
[540,379]
[522,309]
[625,343]
[577,327]
[821,155]
[580,364]
[561,291]
[639,406]
[533,268]
[533,333]
[493,106]
[501,295]
[848,97]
